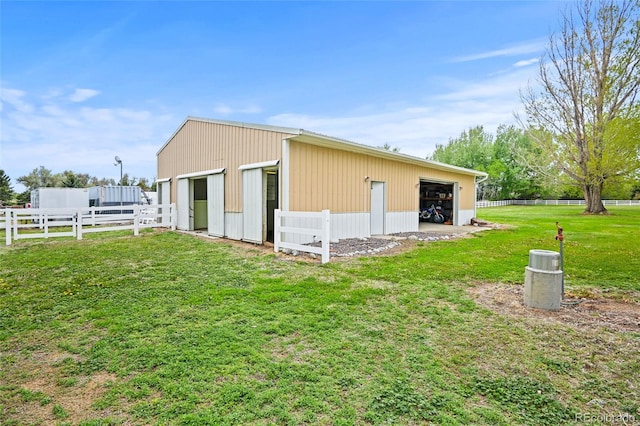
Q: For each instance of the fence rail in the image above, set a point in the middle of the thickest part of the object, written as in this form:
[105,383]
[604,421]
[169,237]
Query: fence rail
[322,232]
[47,223]
[3,218]
[482,204]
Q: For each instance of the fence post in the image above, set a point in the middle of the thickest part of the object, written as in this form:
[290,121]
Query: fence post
[164,213]
[79,226]
[276,231]
[7,225]
[326,235]
[174,216]
[136,219]
[14,224]
[46,224]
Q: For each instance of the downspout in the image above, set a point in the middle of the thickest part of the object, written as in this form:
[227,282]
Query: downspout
[485,177]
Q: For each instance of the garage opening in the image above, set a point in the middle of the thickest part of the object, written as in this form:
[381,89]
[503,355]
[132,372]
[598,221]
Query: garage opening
[436,202]
[272,202]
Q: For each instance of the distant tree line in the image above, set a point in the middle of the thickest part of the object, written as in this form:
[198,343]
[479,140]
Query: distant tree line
[518,168]
[41,177]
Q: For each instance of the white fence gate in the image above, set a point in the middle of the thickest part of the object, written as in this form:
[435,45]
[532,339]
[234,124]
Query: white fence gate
[322,232]
[46,223]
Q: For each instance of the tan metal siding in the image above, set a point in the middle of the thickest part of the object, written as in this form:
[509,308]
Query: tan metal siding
[323,178]
[201,145]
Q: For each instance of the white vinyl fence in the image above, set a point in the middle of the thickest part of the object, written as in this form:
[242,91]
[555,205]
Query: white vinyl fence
[47,223]
[317,224]
[481,204]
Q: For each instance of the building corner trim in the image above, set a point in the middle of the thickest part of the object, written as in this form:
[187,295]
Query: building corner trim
[284,172]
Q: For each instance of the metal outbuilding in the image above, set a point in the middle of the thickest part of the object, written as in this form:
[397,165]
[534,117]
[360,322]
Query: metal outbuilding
[228,178]
[114,195]
[57,198]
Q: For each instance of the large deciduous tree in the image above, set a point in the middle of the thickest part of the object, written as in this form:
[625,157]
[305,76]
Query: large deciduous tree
[587,99]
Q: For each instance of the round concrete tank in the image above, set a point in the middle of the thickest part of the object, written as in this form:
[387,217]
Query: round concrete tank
[543,280]
[545,260]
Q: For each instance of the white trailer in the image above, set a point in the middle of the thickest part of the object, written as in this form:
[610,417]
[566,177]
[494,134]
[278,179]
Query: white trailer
[56,198]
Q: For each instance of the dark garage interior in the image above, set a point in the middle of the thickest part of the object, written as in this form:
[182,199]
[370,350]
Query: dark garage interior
[439,196]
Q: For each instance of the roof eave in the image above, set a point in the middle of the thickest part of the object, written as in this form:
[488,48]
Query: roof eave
[306,136]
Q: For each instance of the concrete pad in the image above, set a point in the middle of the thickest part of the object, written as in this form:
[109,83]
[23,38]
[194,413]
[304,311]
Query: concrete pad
[449,229]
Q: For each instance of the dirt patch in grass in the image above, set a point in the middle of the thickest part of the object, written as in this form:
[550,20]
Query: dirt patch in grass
[38,390]
[75,402]
[579,312]
[292,348]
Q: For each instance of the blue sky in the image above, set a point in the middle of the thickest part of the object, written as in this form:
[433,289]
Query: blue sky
[83,81]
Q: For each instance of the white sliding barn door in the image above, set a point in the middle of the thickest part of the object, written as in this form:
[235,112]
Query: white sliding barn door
[164,198]
[215,199]
[252,205]
[183,204]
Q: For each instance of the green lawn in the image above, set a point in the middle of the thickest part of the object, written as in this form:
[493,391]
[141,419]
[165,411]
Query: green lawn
[165,328]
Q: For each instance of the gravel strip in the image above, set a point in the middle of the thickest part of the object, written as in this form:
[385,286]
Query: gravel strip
[360,246]
[425,236]
[350,247]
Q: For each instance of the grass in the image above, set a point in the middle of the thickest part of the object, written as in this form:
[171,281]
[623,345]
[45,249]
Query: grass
[165,328]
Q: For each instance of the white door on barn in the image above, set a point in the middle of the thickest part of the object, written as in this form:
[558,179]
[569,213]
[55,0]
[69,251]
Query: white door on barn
[183,204]
[378,207]
[252,205]
[215,199]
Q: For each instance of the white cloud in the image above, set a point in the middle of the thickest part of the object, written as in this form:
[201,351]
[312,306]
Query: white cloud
[13,98]
[417,128]
[526,62]
[59,135]
[503,85]
[525,48]
[81,95]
